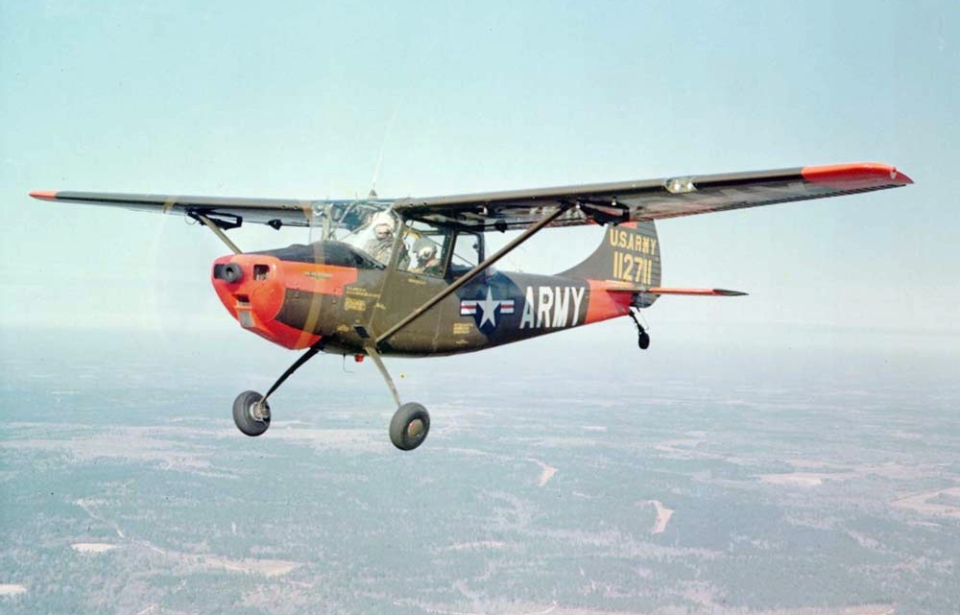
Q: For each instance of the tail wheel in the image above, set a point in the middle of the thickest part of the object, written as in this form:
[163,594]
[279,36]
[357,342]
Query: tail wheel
[643,338]
[409,426]
[251,413]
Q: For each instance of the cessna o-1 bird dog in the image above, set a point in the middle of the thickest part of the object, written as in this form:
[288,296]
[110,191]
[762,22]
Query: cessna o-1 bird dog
[412,277]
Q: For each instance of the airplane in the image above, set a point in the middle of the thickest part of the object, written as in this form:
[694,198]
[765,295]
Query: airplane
[412,277]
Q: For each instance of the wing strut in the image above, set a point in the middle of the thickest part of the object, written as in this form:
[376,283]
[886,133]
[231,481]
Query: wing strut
[473,273]
[210,224]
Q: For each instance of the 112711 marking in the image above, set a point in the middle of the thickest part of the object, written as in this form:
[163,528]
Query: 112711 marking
[632,268]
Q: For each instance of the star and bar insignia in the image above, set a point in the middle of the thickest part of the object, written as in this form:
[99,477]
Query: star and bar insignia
[485,311]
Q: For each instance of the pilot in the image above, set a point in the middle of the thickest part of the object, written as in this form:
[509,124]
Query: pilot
[381,244]
[425,251]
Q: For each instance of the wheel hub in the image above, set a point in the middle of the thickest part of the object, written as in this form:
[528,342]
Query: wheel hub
[259,411]
[415,429]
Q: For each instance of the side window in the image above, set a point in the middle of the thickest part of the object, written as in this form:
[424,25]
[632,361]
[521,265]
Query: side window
[467,253]
[426,250]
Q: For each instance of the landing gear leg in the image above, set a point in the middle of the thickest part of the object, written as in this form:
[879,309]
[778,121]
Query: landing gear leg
[643,339]
[411,422]
[251,412]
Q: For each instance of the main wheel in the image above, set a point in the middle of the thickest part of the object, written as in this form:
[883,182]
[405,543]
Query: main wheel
[409,426]
[644,341]
[251,414]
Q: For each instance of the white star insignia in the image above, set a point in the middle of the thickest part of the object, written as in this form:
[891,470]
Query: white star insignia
[489,307]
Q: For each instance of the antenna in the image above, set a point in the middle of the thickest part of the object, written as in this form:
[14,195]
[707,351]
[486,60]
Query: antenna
[383,144]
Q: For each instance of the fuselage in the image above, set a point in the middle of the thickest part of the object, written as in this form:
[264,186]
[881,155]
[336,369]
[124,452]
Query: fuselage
[326,292]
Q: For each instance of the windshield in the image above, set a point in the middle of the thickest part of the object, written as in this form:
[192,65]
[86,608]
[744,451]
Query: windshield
[375,237]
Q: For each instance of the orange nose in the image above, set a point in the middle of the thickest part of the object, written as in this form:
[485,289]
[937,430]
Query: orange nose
[251,287]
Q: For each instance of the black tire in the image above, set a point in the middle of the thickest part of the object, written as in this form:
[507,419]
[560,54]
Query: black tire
[245,413]
[644,341]
[409,426]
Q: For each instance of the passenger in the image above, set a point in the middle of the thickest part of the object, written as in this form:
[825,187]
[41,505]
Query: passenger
[425,251]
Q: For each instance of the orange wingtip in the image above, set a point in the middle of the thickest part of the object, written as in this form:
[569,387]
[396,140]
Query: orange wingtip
[856,175]
[44,195]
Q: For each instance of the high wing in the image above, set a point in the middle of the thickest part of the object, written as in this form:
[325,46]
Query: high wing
[229,212]
[588,204]
[652,199]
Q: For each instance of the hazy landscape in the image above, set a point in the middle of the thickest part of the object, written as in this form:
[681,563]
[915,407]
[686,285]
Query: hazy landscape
[696,477]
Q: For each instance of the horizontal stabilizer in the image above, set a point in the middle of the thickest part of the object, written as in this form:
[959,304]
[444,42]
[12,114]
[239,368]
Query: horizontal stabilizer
[703,292]
[657,290]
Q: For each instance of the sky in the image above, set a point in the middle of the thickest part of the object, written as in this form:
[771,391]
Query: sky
[302,100]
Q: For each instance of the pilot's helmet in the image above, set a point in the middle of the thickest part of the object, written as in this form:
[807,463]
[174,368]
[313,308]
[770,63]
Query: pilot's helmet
[424,249]
[382,225]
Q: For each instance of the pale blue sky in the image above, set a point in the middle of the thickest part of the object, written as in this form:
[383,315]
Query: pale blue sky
[230,98]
